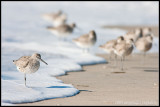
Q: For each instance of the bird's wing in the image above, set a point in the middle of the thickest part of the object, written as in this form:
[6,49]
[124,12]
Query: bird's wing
[83,38]
[23,61]
[110,43]
[64,28]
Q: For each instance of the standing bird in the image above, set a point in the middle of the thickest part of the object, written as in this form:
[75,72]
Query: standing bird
[144,44]
[28,64]
[123,49]
[57,19]
[146,31]
[61,20]
[108,46]
[62,30]
[86,41]
[137,33]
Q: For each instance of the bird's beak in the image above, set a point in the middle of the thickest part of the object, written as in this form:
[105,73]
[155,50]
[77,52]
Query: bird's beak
[43,61]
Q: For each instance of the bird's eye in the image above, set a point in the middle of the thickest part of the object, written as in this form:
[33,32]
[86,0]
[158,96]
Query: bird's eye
[37,56]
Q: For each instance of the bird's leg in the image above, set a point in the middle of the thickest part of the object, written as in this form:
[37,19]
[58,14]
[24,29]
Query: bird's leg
[110,56]
[115,60]
[122,63]
[25,79]
[144,55]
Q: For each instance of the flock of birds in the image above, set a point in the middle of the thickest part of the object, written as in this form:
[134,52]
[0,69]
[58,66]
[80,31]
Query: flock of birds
[122,46]
[61,29]
[141,38]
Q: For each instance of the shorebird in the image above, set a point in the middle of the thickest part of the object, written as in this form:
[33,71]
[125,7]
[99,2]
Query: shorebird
[28,64]
[51,16]
[62,30]
[57,19]
[61,20]
[108,46]
[144,43]
[86,41]
[123,48]
[135,34]
[146,31]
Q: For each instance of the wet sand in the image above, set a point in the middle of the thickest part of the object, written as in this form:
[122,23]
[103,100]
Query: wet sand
[105,84]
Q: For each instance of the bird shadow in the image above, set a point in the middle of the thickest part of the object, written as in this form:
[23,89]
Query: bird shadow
[152,70]
[144,68]
[85,91]
[118,72]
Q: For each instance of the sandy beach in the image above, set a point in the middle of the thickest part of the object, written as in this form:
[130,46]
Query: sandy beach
[105,84]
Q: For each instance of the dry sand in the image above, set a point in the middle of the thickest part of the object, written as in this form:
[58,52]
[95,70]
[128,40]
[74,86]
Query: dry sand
[103,84]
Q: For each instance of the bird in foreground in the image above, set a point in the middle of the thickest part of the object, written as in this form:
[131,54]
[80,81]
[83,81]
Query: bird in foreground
[86,41]
[62,30]
[28,64]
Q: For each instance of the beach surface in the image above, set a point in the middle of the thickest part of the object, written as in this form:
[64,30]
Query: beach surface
[105,84]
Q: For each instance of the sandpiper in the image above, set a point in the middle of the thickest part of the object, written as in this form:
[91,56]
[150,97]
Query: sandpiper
[28,64]
[144,43]
[87,40]
[57,19]
[51,16]
[123,49]
[135,34]
[62,30]
[146,31]
[108,46]
[61,20]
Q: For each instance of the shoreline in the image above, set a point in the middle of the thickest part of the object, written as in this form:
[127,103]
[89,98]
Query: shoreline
[103,84]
